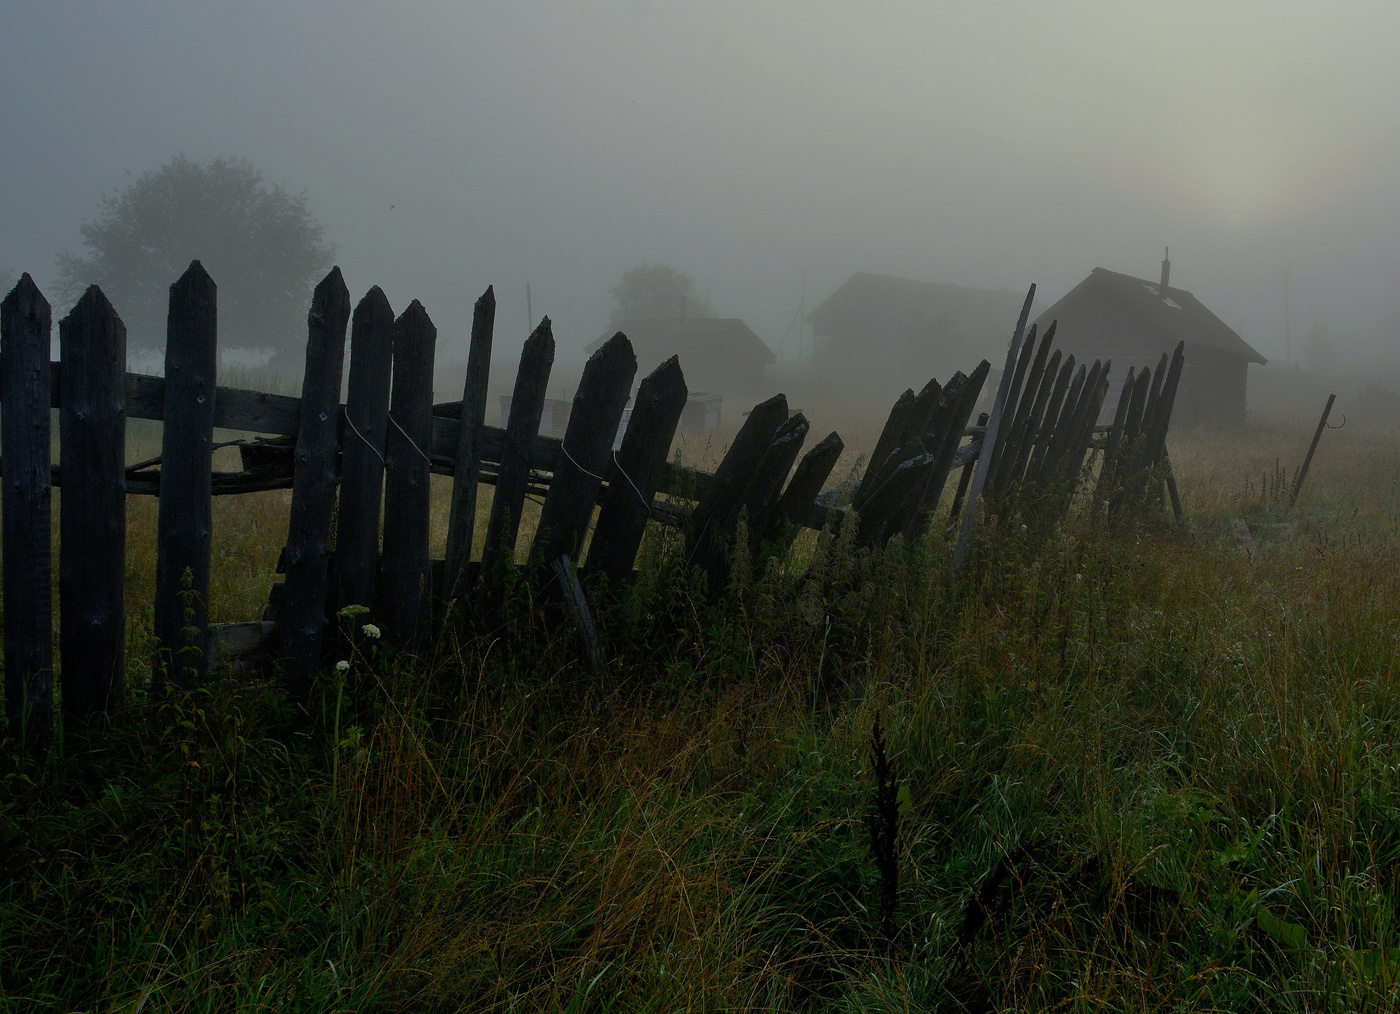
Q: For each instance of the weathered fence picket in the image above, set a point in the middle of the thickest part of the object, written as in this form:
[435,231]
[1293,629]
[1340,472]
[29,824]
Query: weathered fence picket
[989,437]
[186,476]
[586,449]
[362,460]
[92,532]
[708,541]
[404,574]
[637,472]
[313,483]
[461,524]
[759,500]
[521,429]
[26,321]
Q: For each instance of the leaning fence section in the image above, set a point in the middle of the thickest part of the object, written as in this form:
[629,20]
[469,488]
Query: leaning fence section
[1030,454]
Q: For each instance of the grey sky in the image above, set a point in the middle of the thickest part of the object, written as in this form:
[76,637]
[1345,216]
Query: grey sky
[988,144]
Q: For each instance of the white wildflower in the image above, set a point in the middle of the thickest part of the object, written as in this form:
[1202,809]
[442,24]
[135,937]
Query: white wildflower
[350,612]
[370,631]
[342,666]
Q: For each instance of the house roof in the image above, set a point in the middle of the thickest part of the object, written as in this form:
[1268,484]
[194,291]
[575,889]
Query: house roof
[864,294]
[1172,315]
[655,340]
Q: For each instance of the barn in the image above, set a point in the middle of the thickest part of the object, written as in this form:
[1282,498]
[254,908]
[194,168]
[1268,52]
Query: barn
[1133,321]
[880,323]
[719,355]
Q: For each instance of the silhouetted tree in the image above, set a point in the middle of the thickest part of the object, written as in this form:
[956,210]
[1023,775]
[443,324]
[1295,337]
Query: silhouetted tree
[260,244]
[655,292]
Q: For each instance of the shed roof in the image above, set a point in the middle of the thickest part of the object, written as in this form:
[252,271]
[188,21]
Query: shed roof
[655,340]
[1172,314]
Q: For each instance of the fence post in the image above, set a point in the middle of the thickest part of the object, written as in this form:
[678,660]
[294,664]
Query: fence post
[362,461]
[25,397]
[92,536]
[637,472]
[512,482]
[461,525]
[404,570]
[583,456]
[313,481]
[186,491]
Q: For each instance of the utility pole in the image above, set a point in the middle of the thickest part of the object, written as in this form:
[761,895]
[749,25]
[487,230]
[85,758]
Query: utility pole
[529,311]
[801,317]
[1287,328]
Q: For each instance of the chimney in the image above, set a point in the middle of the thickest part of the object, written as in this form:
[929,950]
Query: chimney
[1166,269]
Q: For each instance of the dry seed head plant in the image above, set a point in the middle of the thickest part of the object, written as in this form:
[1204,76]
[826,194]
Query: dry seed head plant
[1153,767]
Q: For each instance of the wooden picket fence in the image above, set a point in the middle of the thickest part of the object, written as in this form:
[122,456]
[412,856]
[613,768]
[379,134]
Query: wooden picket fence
[341,461]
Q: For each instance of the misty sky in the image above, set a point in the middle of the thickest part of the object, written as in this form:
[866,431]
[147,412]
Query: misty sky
[989,144]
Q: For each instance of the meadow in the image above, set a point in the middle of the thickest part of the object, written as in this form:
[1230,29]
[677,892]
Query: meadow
[1144,768]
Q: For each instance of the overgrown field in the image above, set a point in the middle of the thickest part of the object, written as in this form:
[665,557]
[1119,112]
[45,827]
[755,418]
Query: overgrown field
[1140,769]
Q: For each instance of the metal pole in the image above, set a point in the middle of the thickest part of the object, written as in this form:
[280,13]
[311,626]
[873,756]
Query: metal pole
[1317,435]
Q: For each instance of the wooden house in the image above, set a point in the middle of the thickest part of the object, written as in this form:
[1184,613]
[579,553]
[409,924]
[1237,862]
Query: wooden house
[880,323]
[1133,321]
[719,355]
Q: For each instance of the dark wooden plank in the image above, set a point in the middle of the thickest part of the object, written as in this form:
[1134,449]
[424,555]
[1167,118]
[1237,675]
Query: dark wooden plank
[1088,420]
[586,450]
[637,471]
[1124,473]
[26,321]
[1081,429]
[92,535]
[1062,433]
[403,584]
[1166,401]
[186,495]
[922,411]
[313,481]
[1007,431]
[798,499]
[1045,435]
[362,460]
[915,424]
[759,500]
[1042,378]
[1113,438]
[960,397]
[890,438]
[461,524]
[885,510]
[1035,422]
[526,407]
[234,408]
[964,480]
[708,542]
[1015,424]
[989,439]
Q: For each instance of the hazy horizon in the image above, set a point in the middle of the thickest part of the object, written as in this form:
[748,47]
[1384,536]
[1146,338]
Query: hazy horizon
[993,145]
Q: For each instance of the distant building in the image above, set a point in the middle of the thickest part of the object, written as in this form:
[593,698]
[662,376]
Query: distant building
[719,355]
[879,323]
[1133,321]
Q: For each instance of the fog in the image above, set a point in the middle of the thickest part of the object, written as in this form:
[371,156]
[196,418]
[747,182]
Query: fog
[446,146]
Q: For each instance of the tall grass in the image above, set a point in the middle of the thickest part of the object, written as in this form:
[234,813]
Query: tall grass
[1147,769]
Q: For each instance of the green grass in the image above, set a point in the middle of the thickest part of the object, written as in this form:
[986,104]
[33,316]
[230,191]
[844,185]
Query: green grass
[1148,769]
